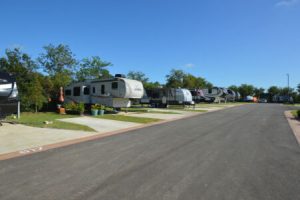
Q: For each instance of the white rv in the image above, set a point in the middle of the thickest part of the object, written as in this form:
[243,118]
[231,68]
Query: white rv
[162,97]
[115,92]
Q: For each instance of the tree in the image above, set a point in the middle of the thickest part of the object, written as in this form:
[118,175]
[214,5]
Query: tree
[258,92]
[234,88]
[139,76]
[272,91]
[152,85]
[59,63]
[93,68]
[246,90]
[35,94]
[175,78]
[57,59]
[298,88]
[22,66]
[192,82]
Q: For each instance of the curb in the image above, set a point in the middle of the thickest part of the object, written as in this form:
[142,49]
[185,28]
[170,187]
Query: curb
[26,152]
[294,124]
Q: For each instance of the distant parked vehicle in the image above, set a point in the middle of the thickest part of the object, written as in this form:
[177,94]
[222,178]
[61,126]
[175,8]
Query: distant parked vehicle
[8,95]
[262,100]
[162,97]
[282,99]
[115,92]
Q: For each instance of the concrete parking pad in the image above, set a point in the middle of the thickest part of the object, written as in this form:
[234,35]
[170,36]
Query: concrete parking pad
[20,137]
[101,125]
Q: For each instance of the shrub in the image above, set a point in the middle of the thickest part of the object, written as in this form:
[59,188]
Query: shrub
[70,106]
[298,113]
[100,107]
[76,108]
[95,107]
[80,108]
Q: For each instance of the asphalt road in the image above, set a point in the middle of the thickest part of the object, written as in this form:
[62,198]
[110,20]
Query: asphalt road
[246,152]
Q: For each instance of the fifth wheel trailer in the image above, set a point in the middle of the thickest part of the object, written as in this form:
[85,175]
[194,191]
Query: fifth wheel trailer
[8,95]
[116,92]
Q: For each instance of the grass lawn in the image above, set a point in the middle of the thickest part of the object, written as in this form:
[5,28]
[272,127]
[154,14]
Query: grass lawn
[189,109]
[141,120]
[296,113]
[147,110]
[38,119]
[218,105]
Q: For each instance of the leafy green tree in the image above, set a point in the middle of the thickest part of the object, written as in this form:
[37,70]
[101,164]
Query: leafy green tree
[272,91]
[175,78]
[139,76]
[23,67]
[258,92]
[57,59]
[246,90]
[298,88]
[93,68]
[192,82]
[234,88]
[60,63]
[152,85]
[35,94]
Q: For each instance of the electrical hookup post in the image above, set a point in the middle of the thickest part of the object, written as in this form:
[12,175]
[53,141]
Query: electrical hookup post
[19,110]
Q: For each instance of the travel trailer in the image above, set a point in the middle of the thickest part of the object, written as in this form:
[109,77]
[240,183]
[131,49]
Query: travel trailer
[282,99]
[8,95]
[162,97]
[116,92]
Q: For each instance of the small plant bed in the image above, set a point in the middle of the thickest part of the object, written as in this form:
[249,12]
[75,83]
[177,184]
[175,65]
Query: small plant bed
[296,113]
[49,120]
[141,120]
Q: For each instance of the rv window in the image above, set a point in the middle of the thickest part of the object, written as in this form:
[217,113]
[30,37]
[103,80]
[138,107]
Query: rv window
[86,91]
[114,85]
[94,90]
[76,91]
[102,89]
[68,92]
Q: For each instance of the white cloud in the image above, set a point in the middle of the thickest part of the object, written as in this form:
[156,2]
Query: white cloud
[286,3]
[189,65]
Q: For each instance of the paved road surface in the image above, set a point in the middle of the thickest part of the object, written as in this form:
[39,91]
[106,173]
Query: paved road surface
[247,152]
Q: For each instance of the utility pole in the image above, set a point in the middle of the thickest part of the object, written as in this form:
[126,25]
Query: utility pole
[288,82]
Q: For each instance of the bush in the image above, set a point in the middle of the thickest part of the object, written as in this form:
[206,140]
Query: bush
[94,107]
[101,107]
[298,113]
[80,108]
[75,107]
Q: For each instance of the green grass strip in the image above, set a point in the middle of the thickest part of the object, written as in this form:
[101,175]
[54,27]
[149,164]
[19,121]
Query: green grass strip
[141,120]
[38,119]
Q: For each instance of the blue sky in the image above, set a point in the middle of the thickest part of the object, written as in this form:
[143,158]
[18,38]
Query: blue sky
[226,42]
